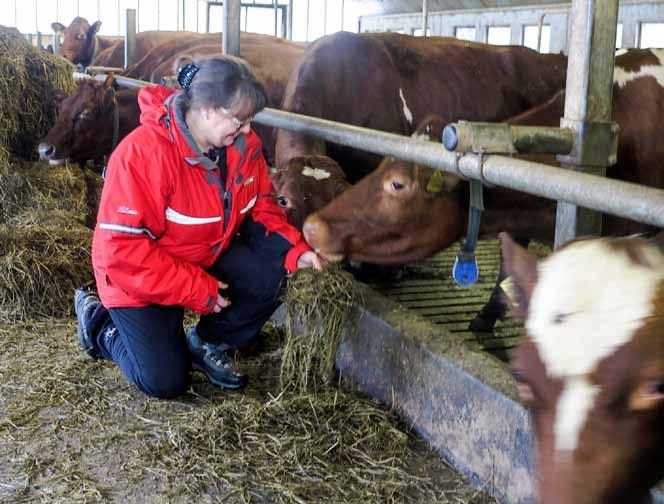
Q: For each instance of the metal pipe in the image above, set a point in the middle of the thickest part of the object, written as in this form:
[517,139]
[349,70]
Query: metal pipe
[343,2]
[631,201]
[39,39]
[425,17]
[158,13]
[324,17]
[130,38]
[503,138]
[56,42]
[177,16]
[230,37]
[184,18]
[275,5]
[36,17]
[588,102]
[624,199]
[540,25]
[307,23]
[103,69]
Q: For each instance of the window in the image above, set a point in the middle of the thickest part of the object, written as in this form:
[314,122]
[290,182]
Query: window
[464,32]
[499,35]
[530,37]
[418,32]
[619,36]
[652,35]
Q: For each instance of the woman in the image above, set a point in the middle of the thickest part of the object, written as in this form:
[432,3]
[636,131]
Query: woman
[187,220]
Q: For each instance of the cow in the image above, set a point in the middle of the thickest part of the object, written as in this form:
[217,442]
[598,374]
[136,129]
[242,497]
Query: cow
[83,46]
[390,218]
[270,58]
[391,82]
[85,126]
[305,185]
[591,366]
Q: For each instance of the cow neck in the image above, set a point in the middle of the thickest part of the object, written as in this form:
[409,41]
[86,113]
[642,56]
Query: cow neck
[116,122]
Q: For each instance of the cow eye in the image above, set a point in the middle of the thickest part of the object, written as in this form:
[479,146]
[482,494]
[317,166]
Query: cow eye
[86,114]
[397,186]
[80,36]
[282,202]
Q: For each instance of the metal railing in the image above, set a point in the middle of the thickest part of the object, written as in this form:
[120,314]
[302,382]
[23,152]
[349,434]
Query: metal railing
[624,199]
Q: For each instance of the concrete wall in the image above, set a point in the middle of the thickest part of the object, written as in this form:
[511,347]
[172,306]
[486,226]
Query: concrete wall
[631,15]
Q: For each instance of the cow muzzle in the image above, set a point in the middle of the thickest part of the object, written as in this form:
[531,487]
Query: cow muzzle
[47,153]
[318,235]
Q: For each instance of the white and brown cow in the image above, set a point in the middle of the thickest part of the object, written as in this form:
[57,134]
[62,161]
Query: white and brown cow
[591,366]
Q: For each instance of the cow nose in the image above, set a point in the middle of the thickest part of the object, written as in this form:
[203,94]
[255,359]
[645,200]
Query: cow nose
[46,151]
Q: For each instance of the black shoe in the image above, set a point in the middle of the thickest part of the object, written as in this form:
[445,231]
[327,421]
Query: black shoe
[214,363]
[85,301]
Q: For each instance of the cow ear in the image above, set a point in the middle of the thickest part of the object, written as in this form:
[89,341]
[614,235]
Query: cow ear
[94,28]
[522,270]
[58,27]
[110,82]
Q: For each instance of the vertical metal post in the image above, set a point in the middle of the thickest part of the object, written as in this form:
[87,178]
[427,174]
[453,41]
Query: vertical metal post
[198,16]
[230,37]
[207,18]
[177,16]
[184,19]
[39,39]
[343,2]
[56,42]
[36,17]
[30,38]
[98,9]
[275,5]
[425,17]
[119,13]
[138,15]
[16,16]
[290,19]
[588,99]
[324,17]
[158,13]
[130,38]
[540,25]
[78,8]
[246,17]
[307,23]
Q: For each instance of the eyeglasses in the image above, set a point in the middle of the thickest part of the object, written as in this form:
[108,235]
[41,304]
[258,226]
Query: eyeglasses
[238,124]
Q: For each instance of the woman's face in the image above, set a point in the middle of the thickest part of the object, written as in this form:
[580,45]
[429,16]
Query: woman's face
[222,127]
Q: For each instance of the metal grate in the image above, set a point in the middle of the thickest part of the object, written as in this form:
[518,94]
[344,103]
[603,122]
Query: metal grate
[428,289]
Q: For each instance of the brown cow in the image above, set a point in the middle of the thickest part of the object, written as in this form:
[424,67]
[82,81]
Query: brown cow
[391,82]
[591,367]
[388,218]
[306,184]
[82,45]
[342,229]
[85,124]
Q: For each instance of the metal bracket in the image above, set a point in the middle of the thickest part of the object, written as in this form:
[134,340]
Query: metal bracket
[595,143]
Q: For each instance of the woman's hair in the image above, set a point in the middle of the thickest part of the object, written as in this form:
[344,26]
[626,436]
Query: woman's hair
[225,81]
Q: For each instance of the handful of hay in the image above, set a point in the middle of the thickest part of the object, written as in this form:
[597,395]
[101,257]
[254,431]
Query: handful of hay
[319,306]
[30,77]
[40,269]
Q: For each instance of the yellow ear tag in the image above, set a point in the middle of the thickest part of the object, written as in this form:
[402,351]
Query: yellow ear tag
[436,182]
[510,290]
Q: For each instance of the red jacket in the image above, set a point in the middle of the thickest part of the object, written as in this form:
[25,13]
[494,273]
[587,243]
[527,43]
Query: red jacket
[161,218]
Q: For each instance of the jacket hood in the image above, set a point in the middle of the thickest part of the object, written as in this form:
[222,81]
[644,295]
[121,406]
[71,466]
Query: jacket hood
[153,109]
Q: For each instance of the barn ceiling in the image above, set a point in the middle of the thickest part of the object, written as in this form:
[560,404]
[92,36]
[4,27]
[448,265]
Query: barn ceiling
[401,6]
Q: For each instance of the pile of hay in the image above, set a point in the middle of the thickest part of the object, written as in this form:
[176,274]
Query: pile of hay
[39,270]
[319,307]
[30,77]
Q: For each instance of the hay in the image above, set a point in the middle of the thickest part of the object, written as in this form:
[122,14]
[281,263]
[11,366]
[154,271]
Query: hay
[319,306]
[35,194]
[72,430]
[30,77]
[39,270]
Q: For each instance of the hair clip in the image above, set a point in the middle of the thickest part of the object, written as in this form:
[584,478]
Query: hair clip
[186,75]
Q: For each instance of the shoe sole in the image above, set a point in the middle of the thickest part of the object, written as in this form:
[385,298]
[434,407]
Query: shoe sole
[85,343]
[219,384]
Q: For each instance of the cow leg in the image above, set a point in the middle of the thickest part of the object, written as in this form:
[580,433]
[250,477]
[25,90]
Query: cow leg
[496,308]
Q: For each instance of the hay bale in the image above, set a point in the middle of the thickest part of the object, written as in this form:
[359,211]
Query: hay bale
[30,78]
[39,270]
[319,306]
[33,194]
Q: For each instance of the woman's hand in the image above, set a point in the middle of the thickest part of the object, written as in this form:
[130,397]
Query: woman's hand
[222,302]
[310,259]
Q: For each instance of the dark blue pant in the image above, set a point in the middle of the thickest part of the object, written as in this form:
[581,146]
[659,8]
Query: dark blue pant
[148,343]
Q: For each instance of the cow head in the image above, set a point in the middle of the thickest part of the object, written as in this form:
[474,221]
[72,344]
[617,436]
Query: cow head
[84,127]
[591,366]
[399,213]
[78,45]
[307,184]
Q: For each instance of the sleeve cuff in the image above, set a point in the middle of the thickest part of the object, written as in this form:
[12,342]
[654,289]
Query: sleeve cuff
[294,254]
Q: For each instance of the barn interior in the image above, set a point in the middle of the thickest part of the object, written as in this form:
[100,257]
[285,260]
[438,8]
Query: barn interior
[407,403]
